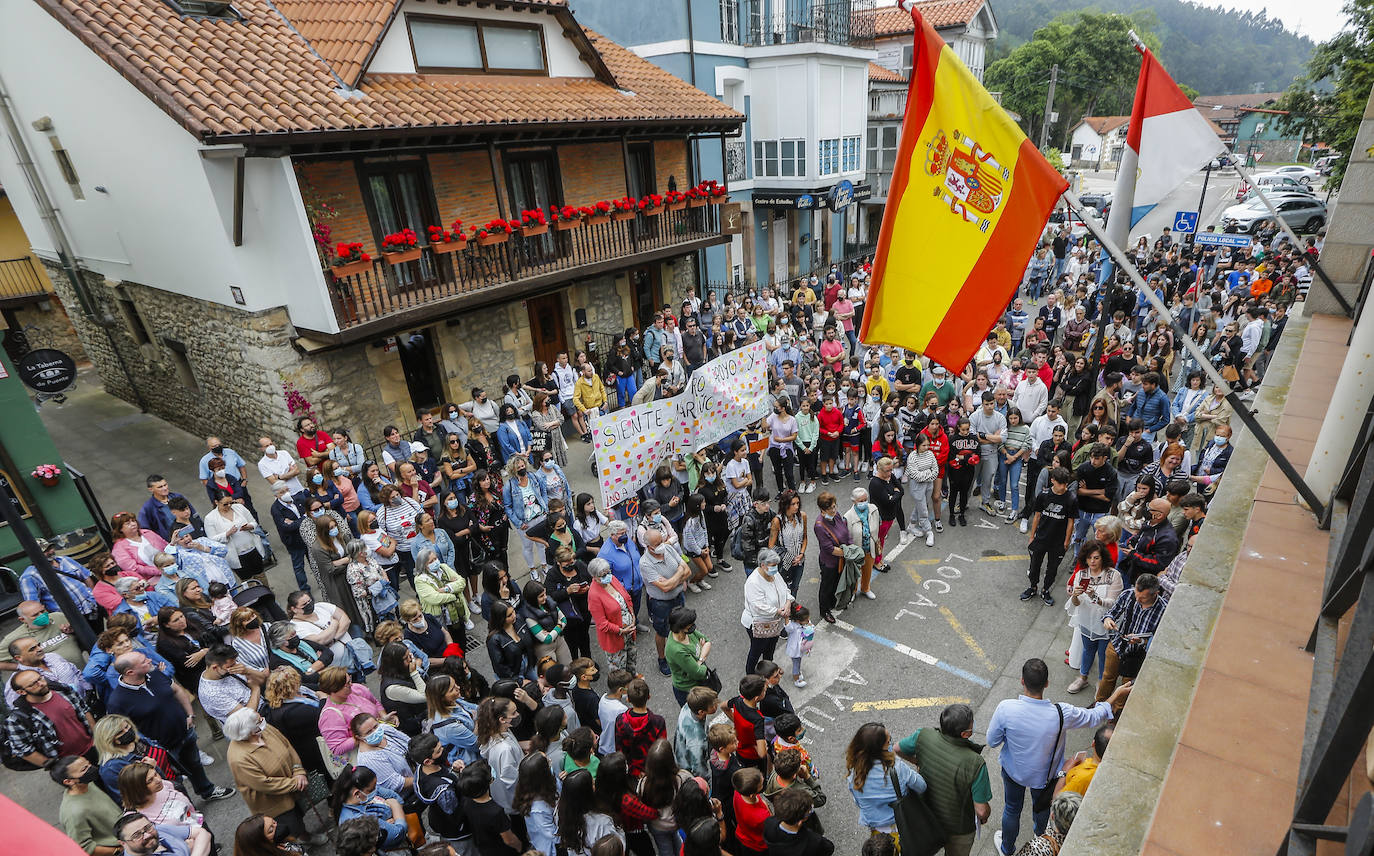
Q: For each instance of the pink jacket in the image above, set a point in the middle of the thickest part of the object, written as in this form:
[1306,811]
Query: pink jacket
[334,718]
[125,554]
[606,614]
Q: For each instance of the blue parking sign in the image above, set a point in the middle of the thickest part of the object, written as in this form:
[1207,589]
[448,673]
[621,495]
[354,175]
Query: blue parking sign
[1185,222]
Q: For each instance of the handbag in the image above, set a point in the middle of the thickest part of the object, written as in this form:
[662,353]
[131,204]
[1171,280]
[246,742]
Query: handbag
[918,829]
[1041,801]
[766,629]
[1229,373]
[711,681]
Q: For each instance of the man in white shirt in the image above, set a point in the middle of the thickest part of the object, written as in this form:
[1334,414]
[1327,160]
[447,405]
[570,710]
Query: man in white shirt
[611,706]
[226,685]
[1250,337]
[1031,397]
[1043,426]
[278,466]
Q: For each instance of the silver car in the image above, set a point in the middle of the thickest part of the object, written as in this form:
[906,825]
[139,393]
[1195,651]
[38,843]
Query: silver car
[1301,213]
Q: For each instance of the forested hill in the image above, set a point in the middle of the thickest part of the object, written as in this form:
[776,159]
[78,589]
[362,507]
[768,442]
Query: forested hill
[1211,50]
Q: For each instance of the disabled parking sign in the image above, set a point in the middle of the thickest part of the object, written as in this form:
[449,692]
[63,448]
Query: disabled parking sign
[1185,222]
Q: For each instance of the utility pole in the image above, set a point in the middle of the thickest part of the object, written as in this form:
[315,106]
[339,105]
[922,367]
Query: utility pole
[1049,107]
[1202,197]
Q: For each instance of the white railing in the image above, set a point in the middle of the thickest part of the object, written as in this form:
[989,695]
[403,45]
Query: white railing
[886,103]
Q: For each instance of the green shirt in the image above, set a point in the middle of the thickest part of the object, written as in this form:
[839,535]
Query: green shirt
[569,764]
[682,660]
[943,393]
[982,791]
[89,818]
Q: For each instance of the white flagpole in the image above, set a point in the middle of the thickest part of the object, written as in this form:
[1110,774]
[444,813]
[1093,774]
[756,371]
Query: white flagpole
[1185,337]
[1292,236]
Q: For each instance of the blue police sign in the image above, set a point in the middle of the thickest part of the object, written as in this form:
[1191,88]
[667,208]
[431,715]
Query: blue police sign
[1218,239]
[1185,222]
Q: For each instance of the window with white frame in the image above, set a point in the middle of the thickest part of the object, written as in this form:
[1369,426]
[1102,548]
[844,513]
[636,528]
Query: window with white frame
[882,148]
[849,154]
[729,21]
[828,157]
[779,158]
[906,60]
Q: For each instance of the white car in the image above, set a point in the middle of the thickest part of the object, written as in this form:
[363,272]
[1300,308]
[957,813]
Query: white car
[1304,174]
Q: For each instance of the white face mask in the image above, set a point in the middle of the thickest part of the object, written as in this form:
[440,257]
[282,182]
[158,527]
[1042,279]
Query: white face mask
[270,451]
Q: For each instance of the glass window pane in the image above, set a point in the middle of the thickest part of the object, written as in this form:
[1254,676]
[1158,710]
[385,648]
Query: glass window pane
[770,150]
[440,44]
[516,48]
[872,137]
[789,167]
[787,146]
[890,137]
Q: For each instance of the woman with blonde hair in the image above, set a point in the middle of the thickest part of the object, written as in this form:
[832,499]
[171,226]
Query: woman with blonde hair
[118,744]
[248,638]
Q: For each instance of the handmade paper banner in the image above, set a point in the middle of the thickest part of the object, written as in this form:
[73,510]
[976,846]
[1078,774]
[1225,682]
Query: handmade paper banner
[721,397]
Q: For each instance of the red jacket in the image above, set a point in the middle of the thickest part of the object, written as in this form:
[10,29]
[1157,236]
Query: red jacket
[939,446]
[831,421]
[606,614]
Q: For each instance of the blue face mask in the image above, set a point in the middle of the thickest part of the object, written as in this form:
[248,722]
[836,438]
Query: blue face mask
[860,506]
[333,532]
[317,478]
[606,579]
[376,737]
[1221,441]
[318,513]
[434,567]
[658,518]
[711,479]
[452,503]
[548,465]
[141,597]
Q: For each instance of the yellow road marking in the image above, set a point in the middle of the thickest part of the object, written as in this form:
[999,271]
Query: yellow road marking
[967,637]
[903,703]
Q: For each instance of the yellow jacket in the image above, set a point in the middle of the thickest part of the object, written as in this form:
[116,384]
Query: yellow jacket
[589,394]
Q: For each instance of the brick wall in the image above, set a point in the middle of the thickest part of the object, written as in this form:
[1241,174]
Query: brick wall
[463,187]
[336,183]
[591,172]
[670,159]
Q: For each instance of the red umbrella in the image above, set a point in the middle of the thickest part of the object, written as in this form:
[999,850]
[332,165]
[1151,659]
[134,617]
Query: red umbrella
[38,836]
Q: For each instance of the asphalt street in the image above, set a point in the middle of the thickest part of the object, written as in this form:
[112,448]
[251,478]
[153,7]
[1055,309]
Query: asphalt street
[946,626]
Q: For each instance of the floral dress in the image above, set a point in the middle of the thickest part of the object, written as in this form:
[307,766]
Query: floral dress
[493,543]
[361,576]
[551,421]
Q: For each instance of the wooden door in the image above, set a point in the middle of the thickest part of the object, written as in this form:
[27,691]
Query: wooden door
[547,331]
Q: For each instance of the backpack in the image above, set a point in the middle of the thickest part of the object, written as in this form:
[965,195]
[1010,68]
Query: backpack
[737,543]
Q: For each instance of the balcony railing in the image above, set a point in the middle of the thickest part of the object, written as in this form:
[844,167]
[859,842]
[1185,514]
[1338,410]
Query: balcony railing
[20,281]
[384,289]
[880,182]
[886,103]
[835,22]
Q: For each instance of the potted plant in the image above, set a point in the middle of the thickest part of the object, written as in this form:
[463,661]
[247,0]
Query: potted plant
[496,231]
[715,193]
[449,240]
[624,208]
[675,200]
[400,247]
[533,222]
[47,474]
[651,205]
[565,217]
[349,259]
[696,197]
[597,214]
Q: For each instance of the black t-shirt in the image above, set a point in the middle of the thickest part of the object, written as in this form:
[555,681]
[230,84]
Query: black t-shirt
[909,374]
[587,704]
[488,820]
[1096,478]
[446,814]
[1135,457]
[1060,246]
[1055,510]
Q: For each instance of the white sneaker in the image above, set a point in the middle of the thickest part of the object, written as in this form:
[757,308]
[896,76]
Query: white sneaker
[799,681]
[468,625]
[1024,527]
[997,841]
[906,538]
[811,487]
[704,585]
[694,588]
[869,594]
[206,760]
[930,539]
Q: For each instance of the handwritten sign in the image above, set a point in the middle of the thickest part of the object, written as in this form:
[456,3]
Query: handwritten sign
[721,397]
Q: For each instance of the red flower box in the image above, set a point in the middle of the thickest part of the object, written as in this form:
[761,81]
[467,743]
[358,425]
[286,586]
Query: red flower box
[349,259]
[489,238]
[443,241]
[533,231]
[402,257]
[400,247]
[623,215]
[453,246]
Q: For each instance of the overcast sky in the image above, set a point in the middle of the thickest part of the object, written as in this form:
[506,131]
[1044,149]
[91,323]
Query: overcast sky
[1319,20]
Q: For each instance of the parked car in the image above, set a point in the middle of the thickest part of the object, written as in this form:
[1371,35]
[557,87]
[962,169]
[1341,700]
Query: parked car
[1268,179]
[1099,200]
[1325,163]
[1304,174]
[1301,213]
[1077,228]
[1276,192]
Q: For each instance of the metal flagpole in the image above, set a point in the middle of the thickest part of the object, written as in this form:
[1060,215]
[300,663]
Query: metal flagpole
[1292,236]
[1242,410]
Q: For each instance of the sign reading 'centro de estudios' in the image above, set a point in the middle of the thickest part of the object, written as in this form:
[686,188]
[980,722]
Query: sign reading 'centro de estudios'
[836,198]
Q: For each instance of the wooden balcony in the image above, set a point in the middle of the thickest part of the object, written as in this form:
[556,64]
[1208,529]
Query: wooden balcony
[384,297]
[20,283]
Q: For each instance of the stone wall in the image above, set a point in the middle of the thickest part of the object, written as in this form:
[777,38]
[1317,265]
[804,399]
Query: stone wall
[480,348]
[679,278]
[46,325]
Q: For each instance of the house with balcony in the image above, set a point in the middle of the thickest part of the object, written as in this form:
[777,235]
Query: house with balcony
[30,310]
[1250,126]
[201,161]
[798,70]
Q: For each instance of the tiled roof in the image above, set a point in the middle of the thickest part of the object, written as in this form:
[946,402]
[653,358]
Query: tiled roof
[895,21]
[223,79]
[1227,108]
[343,32]
[884,75]
[1104,124]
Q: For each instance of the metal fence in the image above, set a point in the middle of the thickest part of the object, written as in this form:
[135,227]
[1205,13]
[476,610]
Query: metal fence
[1341,701]
[836,22]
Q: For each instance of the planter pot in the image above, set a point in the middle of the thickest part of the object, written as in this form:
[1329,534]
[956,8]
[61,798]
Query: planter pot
[598,219]
[696,203]
[622,216]
[533,231]
[488,240]
[50,481]
[567,225]
[402,257]
[352,268]
[716,200]
[448,247]
[677,206]
[652,212]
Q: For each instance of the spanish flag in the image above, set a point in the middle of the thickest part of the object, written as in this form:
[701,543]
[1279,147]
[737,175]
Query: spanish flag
[969,199]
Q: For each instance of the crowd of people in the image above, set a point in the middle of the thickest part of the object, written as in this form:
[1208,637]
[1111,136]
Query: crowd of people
[402,561]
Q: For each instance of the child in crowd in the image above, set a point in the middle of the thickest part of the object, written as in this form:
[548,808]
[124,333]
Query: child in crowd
[690,746]
[786,775]
[801,638]
[751,810]
[788,732]
[724,763]
[786,832]
[221,604]
[611,706]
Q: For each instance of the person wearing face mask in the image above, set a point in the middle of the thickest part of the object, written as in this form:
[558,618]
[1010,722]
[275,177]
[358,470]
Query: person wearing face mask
[767,605]
[940,385]
[612,610]
[269,774]
[231,524]
[441,592]
[286,649]
[287,516]
[141,600]
[863,522]
[552,477]
[715,499]
[1214,459]
[653,519]
[277,465]
[512,435]
[832,535]
[322,487]
[525,502]
[665,577]
[87,814]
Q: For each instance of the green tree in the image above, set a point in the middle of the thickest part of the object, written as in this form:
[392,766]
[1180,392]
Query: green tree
[1098,66]
[1346,65]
